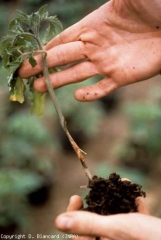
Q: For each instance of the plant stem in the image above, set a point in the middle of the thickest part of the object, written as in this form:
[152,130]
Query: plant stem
[63,123]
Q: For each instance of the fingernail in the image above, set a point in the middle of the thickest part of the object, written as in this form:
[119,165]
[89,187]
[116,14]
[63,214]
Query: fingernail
[65,223]
[71,200]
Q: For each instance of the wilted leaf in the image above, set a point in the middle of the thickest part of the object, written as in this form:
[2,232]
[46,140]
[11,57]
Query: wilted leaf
[37,103]
[4,44]
[17,89]
[19,45]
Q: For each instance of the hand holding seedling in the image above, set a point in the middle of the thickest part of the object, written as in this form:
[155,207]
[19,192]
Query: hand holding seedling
[121,40]
[130,226]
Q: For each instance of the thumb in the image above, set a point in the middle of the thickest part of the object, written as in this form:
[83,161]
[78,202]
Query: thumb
[121,226]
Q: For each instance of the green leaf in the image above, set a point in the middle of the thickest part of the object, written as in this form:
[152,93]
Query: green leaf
[15,26]
[50,33]
[17,89]
[19,45]
[4,44]
[42,10]
[37,103]
[54,20]
[6,60]
[32,61]
[23,18]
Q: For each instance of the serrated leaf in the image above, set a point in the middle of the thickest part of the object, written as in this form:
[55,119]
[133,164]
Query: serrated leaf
[20,45]
[32,61]
[14,67]
[42,9]
[17,89]
[50,33]
[37,17]
[12,25]
[4,44]
[35,23]
[37,103]
[15,26]
[6,60]
[44,16]
[24,18]
[54,20]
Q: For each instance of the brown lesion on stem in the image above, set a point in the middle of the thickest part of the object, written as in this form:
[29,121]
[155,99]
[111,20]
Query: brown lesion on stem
[80,153]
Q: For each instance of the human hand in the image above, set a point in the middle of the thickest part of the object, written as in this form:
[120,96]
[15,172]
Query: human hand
[121,40]
[132,226]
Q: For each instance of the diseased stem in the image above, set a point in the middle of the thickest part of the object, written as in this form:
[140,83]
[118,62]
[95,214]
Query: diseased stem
[78,151]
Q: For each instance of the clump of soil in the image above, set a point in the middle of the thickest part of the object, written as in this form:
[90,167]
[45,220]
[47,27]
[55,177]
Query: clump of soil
[112,195]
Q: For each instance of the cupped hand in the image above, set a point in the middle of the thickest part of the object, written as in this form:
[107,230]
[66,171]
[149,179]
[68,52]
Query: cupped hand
[132,226]
[120,41]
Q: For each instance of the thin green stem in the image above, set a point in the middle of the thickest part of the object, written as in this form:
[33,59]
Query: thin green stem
[51,91]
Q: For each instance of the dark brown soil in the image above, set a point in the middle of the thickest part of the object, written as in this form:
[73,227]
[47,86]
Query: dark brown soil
[112,195]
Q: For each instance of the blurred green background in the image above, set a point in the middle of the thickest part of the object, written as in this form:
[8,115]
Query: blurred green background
[38,168]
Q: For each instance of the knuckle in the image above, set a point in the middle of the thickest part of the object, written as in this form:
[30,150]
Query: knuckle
[60,37]
[82,49]
[61,56]
[55,80]
[74,75]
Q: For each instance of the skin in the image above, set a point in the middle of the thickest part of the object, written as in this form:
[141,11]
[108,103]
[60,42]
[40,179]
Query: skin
[132,226]
[88,225]
[121,41]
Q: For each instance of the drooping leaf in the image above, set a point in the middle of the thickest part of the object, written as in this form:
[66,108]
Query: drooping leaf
[6,60]
[4,44]
[15,26]
[19,45]
[24,18]
[17,89]
[37,103]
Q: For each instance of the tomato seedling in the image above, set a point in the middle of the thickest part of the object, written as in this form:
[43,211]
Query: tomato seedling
[22,42]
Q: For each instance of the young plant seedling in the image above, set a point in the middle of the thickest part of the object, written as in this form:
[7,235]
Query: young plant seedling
[23,42]
[107,196]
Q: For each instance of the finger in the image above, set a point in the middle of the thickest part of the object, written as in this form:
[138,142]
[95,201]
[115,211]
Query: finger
[141,207]
[120,226]
[139,201]
[70,34]
[95,91]
[75,203]
[58,56]
[76,73]
[125,179]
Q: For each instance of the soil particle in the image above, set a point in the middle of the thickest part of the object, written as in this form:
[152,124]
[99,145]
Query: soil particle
[112,195]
